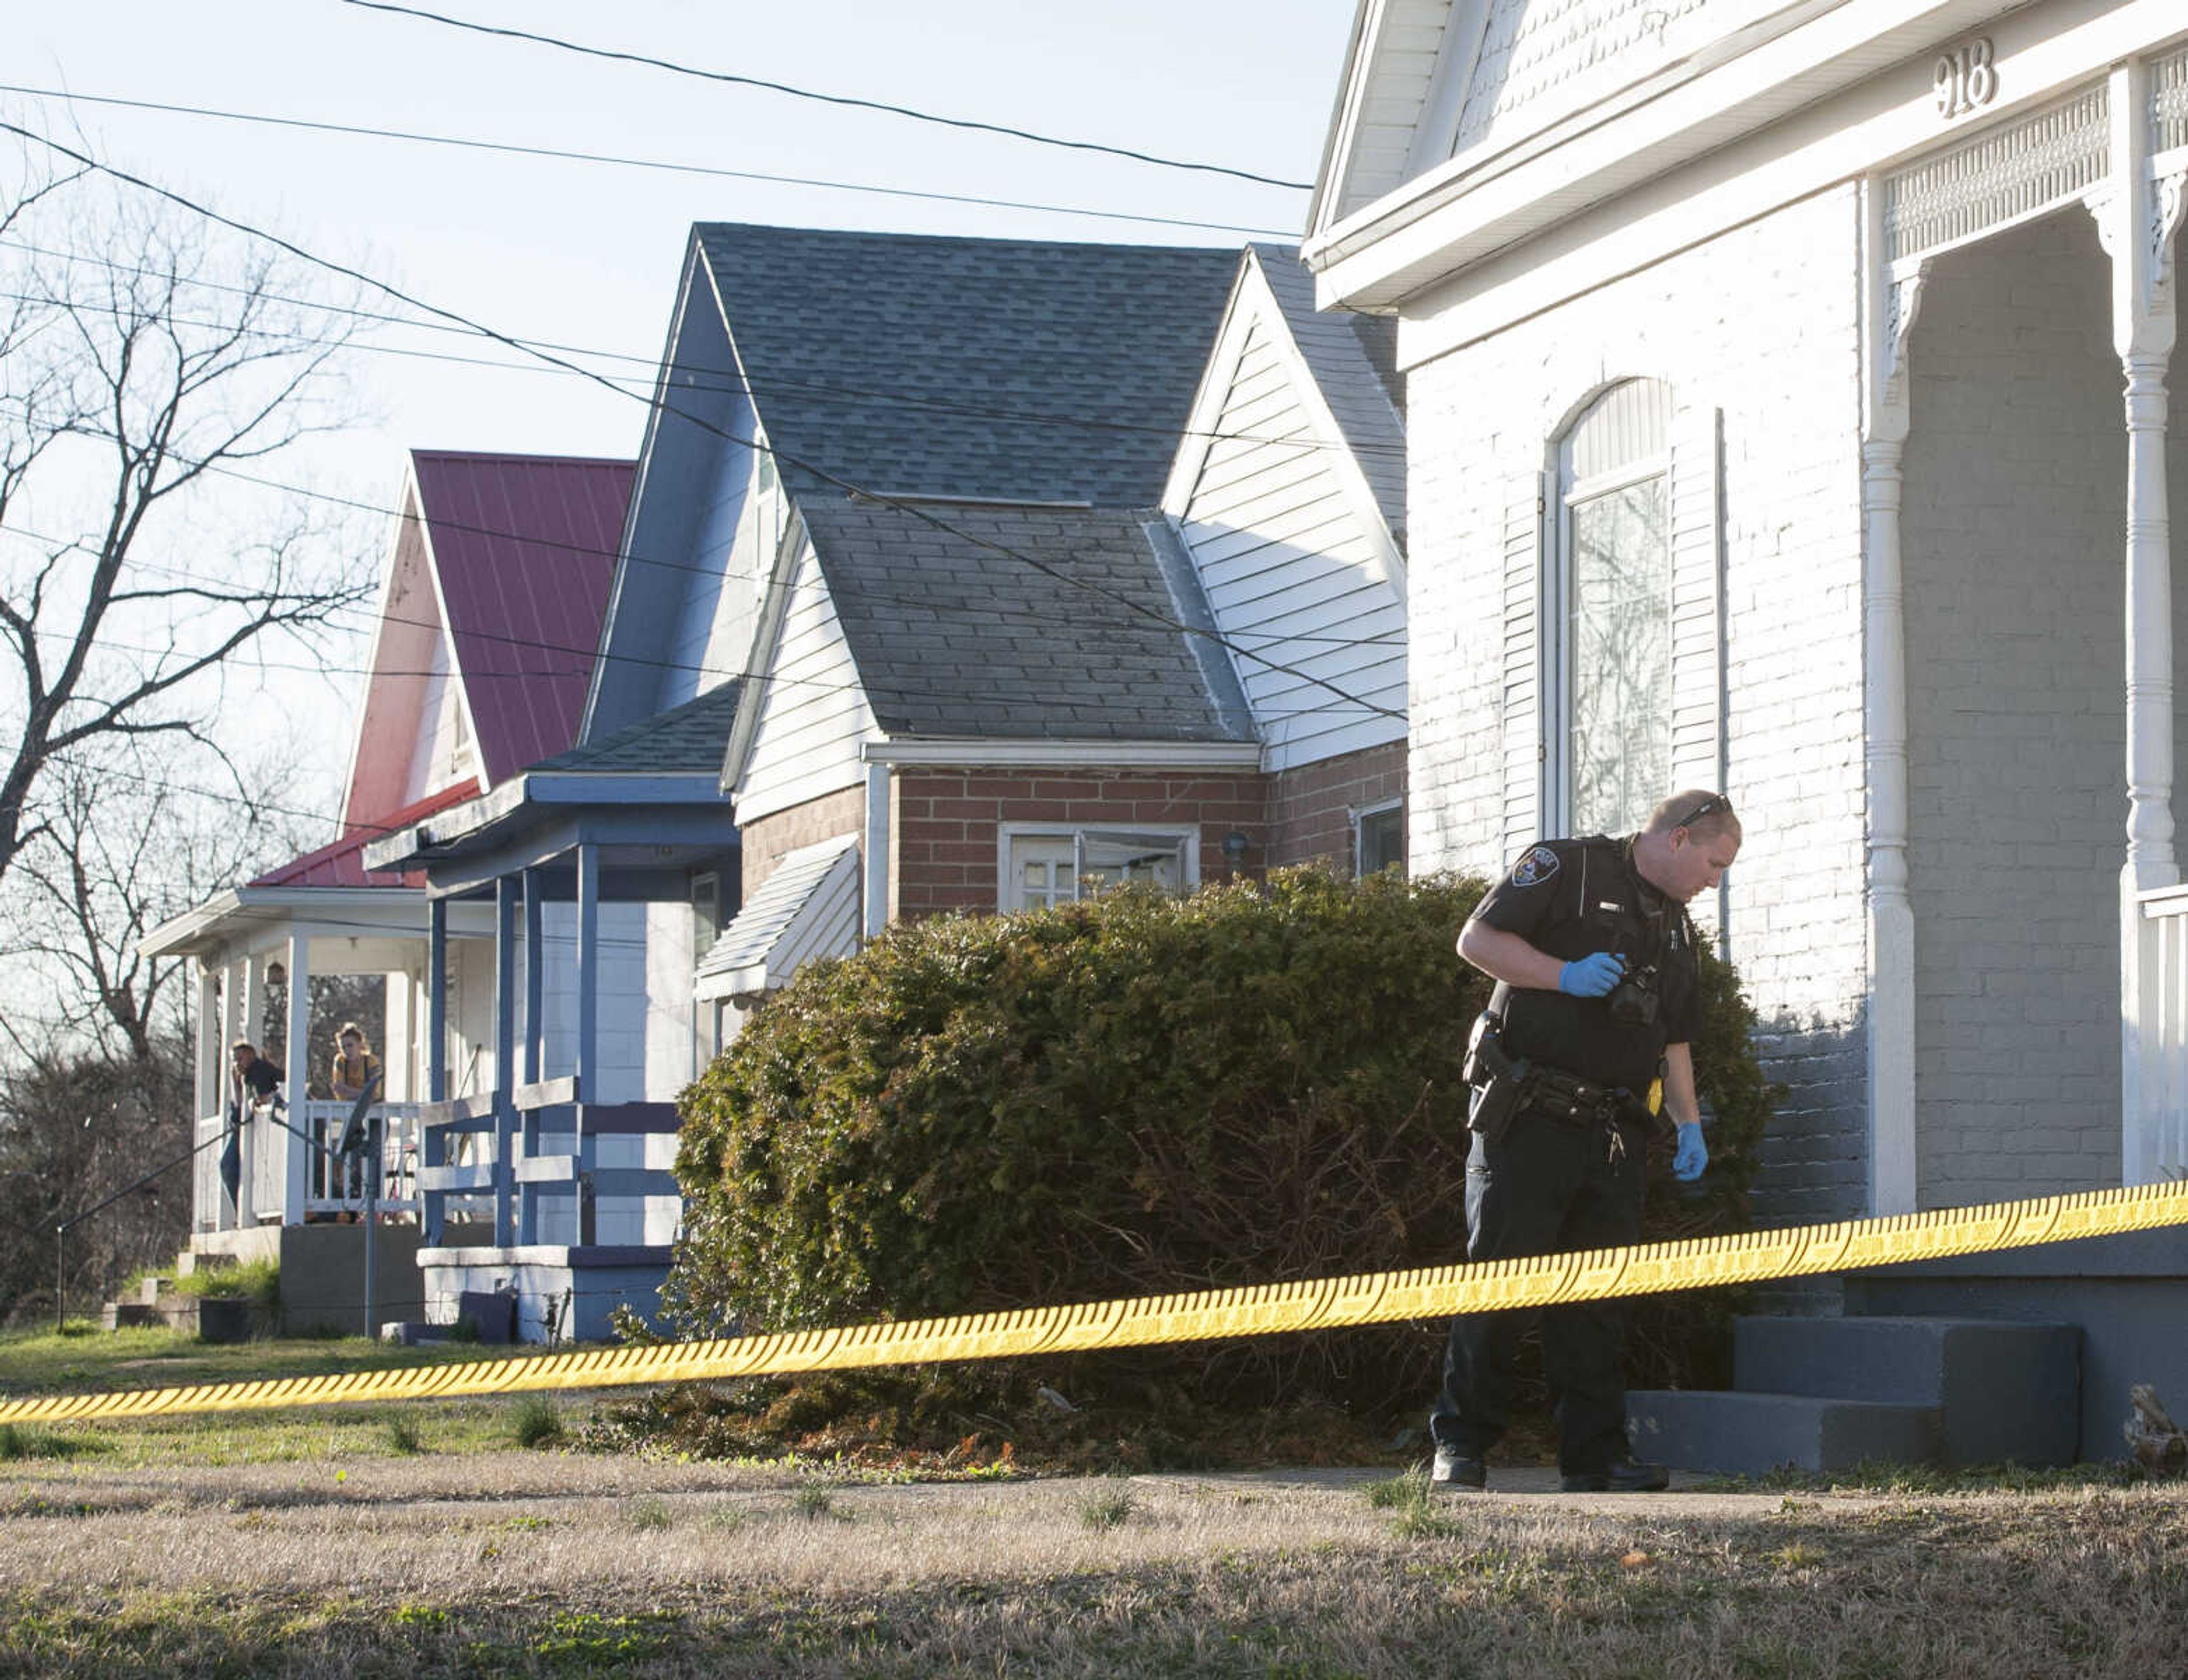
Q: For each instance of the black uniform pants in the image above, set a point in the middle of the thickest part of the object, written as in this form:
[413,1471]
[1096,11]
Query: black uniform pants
[1548,1186]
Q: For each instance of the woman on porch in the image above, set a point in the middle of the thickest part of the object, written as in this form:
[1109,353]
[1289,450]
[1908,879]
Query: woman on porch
[354,1063]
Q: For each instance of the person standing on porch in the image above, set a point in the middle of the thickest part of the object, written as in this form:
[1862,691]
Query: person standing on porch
[253,1082]
[1586,1041]
[354,1063]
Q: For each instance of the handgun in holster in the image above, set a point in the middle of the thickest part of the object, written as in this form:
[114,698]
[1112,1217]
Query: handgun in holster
[1497,1081]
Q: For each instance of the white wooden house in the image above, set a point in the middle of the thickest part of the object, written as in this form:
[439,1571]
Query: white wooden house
[1787,391]
[495,581]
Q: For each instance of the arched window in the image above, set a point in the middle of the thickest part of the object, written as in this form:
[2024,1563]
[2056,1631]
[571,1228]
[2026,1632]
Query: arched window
[1610,596]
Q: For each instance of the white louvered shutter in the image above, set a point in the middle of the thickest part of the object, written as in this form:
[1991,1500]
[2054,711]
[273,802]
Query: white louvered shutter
[1527,500]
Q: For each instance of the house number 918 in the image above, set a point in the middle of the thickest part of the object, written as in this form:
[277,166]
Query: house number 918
[1966,79]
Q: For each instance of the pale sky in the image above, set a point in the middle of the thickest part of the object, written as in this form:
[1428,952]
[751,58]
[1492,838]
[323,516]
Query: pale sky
[586,255]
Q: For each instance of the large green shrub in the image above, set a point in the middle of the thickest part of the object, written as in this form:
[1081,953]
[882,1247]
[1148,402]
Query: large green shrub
[1133,1095]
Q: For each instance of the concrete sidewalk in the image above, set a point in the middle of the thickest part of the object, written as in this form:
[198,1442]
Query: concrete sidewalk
[1688,1495]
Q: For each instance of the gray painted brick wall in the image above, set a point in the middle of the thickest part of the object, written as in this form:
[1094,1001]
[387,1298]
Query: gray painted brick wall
[1761,322]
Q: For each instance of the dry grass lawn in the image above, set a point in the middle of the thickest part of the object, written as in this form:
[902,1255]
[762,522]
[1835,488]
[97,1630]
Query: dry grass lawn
[372,1560]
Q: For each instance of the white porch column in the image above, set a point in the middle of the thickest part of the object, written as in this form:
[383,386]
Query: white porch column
[296,1184]
[212,1063]
[398,1052]
[254,1028]
[235,985]
[211,1054]
[1888,310]
[2136,218]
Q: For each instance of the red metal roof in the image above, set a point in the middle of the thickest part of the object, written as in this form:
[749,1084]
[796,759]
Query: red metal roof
[342,862]
[525,547]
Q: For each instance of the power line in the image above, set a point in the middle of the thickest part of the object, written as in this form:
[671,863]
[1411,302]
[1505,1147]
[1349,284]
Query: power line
[559,154]
[95,260]
[1387,643]
[726,77]
[711,380]
[910,509]
[720,676]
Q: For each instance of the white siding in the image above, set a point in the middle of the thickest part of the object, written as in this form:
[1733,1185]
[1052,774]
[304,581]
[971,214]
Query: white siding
[441,754]
[1404,61]
[1291,554]
[732,550]
[668,963]
[642,997]
[812,713]
[471,1016]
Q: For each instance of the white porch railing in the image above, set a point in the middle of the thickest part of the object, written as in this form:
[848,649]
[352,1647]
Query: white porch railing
[329,1187]
[2156,1146]
[334,1186]
[207,1195]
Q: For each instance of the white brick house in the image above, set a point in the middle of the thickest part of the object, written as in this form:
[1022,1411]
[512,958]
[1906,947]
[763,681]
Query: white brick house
[1693,488]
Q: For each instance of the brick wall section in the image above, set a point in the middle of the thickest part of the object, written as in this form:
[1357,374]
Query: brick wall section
[944,823]
[1310,808]
[947,821]
[2011,530]
[768,840]
[1761,324]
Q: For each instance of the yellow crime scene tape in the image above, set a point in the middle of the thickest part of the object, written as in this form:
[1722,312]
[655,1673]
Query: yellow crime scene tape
[1208,1314]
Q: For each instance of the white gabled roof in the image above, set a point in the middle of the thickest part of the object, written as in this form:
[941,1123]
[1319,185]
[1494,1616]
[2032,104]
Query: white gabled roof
[807,908]
[1430,79]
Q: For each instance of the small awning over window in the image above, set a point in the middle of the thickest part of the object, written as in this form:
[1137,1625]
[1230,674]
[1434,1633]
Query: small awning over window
[807,908]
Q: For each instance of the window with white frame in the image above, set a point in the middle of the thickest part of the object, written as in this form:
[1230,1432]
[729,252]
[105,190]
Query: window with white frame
[1379,838]
[1052,867]
[1611,590]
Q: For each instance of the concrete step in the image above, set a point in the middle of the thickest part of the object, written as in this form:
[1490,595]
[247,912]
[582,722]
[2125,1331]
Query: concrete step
[2004,1390]
[1730,1433]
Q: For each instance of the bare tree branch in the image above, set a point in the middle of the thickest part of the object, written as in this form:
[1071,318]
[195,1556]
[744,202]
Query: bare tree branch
[140,353]
[128,848]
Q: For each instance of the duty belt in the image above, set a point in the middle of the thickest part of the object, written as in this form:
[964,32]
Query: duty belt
[1567,1096]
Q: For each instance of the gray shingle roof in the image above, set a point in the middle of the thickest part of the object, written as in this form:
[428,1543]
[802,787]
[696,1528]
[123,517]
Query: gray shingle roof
[995,369]
[688,738]
[1354,360]
[1005,641]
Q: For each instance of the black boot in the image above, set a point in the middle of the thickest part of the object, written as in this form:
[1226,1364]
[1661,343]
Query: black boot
[1624,1474]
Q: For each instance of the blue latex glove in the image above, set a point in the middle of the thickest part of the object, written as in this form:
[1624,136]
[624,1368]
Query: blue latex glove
[1591,976]
[1692,1156]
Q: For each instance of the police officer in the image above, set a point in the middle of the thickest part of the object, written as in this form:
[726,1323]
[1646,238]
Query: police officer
[1597,1000]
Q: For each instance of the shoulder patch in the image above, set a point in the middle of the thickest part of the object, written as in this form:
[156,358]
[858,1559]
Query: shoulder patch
[1537,864]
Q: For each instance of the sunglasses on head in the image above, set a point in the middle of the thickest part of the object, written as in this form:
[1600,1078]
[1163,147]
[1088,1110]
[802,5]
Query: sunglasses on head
[1708,807]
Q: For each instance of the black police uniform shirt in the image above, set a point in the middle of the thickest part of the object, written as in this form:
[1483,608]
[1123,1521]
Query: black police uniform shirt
[1571,899]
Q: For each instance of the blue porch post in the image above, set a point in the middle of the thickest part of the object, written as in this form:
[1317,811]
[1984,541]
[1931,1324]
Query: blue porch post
[433,1140]
[535,1026]
[535,1033]
[588,1013]
[505,1061]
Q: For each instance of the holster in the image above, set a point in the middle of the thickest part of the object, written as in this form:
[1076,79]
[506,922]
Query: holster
[1498,1082]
